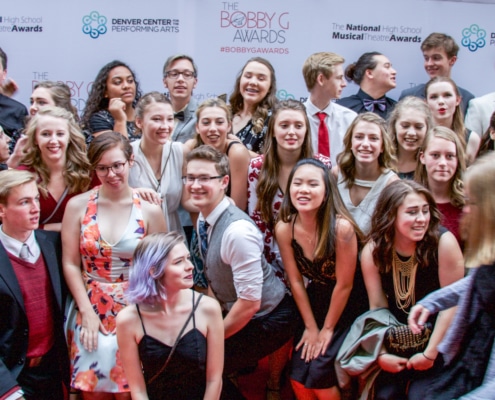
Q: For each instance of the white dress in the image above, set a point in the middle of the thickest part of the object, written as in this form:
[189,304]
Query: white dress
[363,211]
[170,184]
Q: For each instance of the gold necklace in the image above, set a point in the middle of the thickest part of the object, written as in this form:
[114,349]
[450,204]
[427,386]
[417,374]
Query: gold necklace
[404,278]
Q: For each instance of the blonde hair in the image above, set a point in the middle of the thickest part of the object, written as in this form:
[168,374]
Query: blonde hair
[77,168]
[346,159]
[479,224]
[10,179]
[320,63]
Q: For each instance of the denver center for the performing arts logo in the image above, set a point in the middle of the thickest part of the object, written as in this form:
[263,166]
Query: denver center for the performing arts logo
[94,24]
[473,37]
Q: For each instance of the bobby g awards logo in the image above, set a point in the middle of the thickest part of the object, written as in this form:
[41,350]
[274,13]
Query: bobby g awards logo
[473,37]
[94,24]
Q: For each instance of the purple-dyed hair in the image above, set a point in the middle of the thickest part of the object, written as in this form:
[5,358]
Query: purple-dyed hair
[149,264]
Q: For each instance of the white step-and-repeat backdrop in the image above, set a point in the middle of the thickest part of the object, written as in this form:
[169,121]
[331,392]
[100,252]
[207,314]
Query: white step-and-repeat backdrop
[70,40]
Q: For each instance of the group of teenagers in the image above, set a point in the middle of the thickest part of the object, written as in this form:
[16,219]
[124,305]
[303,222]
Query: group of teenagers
[306,231]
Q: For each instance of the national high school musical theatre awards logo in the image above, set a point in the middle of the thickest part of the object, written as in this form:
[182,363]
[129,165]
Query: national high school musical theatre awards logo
[21,24]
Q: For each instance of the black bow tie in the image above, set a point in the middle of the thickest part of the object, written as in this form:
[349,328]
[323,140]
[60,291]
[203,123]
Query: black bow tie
[369,104]
[179,115]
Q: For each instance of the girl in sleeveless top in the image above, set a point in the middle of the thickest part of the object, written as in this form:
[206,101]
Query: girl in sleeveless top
[100,230]
[407,257]
[444,99]
[171,339]
[318,242]
[407,126]
[364,167]
[442,164]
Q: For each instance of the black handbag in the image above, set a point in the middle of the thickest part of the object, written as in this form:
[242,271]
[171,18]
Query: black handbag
[400,341]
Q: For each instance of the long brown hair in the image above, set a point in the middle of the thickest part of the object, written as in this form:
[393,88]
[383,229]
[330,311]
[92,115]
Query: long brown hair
[261,113]
[267,186]
[456,192]
[382,232]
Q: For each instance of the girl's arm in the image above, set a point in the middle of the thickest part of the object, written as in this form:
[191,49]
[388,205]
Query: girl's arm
[450,269]
[239,160]
[377,299]
[346,250]
[127,325]
[154,218]
[215,348]
[71,261]
[309,339]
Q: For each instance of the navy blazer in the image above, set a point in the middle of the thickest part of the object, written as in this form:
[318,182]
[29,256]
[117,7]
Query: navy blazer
[14,327]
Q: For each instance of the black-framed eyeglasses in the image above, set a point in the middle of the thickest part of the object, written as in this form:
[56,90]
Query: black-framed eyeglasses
[202,180]
[174,74]
[117,168]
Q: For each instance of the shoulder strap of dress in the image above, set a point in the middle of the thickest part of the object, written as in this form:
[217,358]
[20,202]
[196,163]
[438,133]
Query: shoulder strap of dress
[140,318]
[195,305]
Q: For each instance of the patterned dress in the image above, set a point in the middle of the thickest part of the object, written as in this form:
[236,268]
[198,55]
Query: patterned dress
[105,274]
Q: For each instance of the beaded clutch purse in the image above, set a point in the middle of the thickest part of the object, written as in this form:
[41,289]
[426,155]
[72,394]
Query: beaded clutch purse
[400,341]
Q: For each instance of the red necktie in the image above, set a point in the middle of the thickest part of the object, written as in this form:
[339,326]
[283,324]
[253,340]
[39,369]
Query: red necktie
[323,139]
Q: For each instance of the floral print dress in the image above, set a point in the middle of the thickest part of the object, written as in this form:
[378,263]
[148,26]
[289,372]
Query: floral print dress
[105,275]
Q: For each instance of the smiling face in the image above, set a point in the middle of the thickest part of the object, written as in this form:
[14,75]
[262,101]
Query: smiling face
[179,269]
[213,126]
[120,84]
[205,196]
[290,130]
[442,100]
[411,129]
[180,87]
[41,97]
[440,160]
[52,137]
[255,82]
[157,123]
[367,142]
[21,213]
[413,218]
[307,189]
[115,157]
[437,62]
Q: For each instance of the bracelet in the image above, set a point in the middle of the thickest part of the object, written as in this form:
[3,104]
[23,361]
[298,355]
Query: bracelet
[428,358]
[381,354]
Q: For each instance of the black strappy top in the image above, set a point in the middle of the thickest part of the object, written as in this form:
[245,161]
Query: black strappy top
[185,375]
[318,270]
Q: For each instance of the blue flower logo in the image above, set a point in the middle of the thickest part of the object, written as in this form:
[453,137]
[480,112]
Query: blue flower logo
[94,24]
[282,94]
[473,37]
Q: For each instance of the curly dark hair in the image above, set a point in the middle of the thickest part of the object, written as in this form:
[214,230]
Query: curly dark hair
[382,231]
[96,99]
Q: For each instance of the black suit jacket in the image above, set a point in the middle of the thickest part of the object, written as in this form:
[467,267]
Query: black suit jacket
[12,115]
[14,328]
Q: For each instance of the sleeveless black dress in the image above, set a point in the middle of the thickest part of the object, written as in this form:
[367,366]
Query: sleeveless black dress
[185,375]
[320,372]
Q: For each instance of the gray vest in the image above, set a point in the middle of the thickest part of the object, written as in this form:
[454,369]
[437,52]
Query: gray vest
[219,274]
